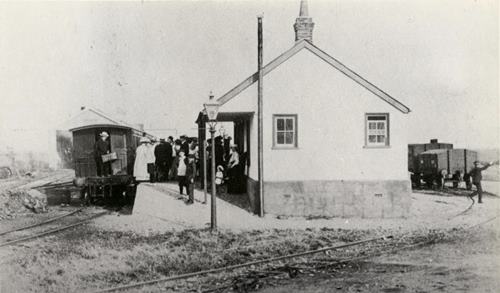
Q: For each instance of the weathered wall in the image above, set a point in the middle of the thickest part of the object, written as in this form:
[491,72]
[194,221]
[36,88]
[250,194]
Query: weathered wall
[364,199]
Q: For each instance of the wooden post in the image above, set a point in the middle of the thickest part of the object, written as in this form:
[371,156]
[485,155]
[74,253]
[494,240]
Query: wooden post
[213,214]
[204,150]
[260,106]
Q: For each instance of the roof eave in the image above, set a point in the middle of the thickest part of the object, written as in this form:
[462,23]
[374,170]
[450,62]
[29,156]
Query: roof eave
[299,45]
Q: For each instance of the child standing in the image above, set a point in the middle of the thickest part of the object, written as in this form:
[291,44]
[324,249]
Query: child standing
[190,175]
[181,172]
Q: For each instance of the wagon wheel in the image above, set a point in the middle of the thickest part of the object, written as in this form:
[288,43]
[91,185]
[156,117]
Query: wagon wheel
[457,178]
[85,197]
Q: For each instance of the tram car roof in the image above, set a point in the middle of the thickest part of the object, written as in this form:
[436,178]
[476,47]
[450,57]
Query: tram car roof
[89,118]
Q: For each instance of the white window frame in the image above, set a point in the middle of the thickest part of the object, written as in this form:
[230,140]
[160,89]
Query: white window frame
[377,130]
[284,145]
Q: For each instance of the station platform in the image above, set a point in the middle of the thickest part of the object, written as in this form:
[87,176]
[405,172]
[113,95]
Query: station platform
[163,201]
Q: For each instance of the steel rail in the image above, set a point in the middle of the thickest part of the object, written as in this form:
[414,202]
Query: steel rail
[268,260]
[53,230]
[247,264]
[41,223]
[466,210]
[352,259]
[273,259]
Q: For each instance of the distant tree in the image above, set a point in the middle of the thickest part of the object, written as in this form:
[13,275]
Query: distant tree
[64,144]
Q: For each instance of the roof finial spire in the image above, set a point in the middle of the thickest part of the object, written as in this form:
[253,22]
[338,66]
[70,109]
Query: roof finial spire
[304,11]
[303,24]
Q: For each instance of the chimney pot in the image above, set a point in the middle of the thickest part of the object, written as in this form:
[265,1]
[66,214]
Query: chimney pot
[303,24]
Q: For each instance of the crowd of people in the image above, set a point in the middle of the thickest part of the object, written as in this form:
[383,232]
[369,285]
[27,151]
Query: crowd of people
[229,164]
[165,160]
[179,159]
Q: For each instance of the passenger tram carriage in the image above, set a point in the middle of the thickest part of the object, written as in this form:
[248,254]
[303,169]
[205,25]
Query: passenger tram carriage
[123,140]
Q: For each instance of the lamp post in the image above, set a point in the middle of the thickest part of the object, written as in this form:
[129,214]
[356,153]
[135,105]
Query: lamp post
[212,109]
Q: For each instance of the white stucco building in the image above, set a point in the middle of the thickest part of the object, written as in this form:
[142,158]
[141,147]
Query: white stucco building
[333,143]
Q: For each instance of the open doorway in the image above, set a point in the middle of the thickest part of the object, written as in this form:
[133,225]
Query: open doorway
[232,129]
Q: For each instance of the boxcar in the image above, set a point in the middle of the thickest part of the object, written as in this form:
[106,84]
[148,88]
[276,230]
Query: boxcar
[436,166]
[416,149]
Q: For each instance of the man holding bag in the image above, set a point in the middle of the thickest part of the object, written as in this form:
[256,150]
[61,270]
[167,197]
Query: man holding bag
[102,147]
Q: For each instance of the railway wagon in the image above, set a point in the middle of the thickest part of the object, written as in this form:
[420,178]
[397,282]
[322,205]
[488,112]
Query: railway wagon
[123,140]
[436,166]
[416,149]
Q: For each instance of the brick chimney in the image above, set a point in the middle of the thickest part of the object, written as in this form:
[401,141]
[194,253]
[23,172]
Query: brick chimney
[303,24]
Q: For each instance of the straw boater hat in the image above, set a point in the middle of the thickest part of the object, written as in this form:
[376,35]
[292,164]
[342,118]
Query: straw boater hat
[104,134]
[144,140]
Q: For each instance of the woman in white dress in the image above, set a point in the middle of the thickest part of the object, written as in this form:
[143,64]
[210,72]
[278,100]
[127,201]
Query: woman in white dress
[142,158]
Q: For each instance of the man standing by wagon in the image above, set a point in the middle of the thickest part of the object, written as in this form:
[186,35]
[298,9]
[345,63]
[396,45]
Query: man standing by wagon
[476,176]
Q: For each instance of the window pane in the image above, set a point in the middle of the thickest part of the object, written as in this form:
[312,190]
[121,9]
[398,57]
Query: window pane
[371,117]
[289,124]
[289,138]
[380,125]
[380,138]
[281,124]
[372,138]
[281,138]
[372,125]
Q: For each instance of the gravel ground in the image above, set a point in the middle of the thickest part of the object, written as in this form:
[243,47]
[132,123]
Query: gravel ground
[429,210]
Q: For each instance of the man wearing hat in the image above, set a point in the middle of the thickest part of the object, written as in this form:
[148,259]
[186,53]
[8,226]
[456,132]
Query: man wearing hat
[184,144]
[163,159]
[476,176]
[102,147]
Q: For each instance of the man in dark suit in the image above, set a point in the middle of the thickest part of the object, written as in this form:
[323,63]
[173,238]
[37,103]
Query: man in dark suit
[163,159]
[184,144]
[102,147]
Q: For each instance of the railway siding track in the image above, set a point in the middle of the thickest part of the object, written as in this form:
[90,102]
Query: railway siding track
[30,235]
[380,245]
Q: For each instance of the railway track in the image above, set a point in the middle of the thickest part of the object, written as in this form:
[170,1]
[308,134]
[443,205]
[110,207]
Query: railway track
[50,226]
[369,248]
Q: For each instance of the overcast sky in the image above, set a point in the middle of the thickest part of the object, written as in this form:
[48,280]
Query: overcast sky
[155,63]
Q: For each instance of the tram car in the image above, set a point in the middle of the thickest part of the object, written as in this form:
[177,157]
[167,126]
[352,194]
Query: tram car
[123,139]
[440,165]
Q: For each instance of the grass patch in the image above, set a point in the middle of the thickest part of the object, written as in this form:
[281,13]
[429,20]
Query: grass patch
[85,259]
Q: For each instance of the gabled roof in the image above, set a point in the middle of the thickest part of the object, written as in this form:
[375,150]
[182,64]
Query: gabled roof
[90,117]
[304,44]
